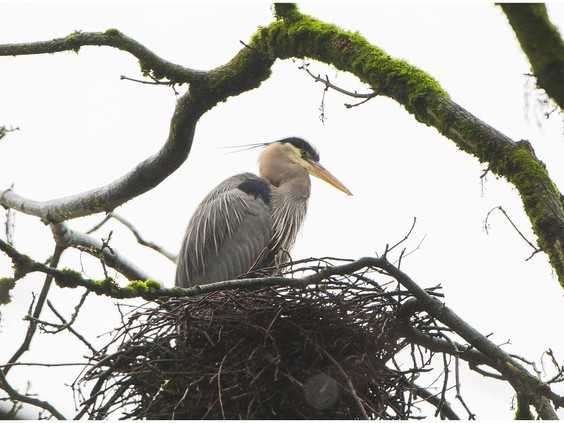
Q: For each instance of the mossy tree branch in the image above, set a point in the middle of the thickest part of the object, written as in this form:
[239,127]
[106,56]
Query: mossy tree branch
[541,41]
[150,63]
[298,35]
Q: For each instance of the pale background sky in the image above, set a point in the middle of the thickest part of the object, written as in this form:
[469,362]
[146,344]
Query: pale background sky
[82,127]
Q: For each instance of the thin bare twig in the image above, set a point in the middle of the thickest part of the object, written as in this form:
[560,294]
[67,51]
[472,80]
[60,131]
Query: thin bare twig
[141,240]
[68,325]
[37,311]
[433,399]
[500,208]
[154,81]
[329,84]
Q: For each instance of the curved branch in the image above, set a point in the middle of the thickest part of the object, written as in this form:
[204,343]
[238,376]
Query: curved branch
[68,237]
[244,72]
[141,240]
[540,40]
[148,60]
[145,176]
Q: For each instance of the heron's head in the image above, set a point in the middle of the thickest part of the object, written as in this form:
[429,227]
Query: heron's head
[301,153]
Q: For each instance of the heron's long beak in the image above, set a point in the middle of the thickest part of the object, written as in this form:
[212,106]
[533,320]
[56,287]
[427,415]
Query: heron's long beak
[320,172]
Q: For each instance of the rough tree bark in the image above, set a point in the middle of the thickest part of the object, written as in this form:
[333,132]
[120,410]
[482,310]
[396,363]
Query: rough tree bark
[541,42]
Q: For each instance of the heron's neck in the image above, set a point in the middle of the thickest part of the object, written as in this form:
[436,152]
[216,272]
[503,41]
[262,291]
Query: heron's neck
[297,186]
[289,178]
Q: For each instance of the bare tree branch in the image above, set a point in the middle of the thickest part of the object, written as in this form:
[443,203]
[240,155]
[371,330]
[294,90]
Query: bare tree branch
[522,381]
[137,235]
[486,226]
[68,237]
[145,176]
[434,400]
[438,345]
[68,325]
[148,60]
[37,310]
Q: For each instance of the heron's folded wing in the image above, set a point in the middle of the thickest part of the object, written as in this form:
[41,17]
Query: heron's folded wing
[227,233]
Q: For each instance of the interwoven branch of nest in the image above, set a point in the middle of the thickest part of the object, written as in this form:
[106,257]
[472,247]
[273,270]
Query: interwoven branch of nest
[316,352]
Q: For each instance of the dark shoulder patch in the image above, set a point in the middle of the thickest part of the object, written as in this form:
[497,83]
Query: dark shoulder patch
[256,187]
[302,145]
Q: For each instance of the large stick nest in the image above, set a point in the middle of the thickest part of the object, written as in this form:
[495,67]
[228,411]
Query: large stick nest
[318,352]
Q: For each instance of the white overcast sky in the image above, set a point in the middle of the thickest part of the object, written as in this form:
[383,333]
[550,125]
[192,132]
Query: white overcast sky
[82,127]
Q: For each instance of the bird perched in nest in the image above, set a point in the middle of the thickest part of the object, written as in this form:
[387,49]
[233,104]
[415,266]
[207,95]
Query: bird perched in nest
[249,222]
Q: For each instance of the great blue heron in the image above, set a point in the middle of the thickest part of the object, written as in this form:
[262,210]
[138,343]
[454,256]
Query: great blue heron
[249,222]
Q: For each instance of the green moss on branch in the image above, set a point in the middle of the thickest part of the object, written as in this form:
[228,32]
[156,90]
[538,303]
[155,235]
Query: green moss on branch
[350,52]
[523,411]
[297,35]
[6,285]
[144,287]
[541,41]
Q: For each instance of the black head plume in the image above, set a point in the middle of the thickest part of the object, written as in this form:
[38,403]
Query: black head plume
[306,148]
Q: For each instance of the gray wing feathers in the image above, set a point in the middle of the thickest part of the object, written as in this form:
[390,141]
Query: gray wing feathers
[225,236]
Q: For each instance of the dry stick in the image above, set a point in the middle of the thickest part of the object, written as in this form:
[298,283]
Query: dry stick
[37,311]
[401,241]
[445,383]
[68,237]
[435,401]
[141,240]
[43,364]
[328,84]
[219,377]
[535,248]
[471,416]
[74,314]
[99,224]
[16,396]
[154,81]
[67,325]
